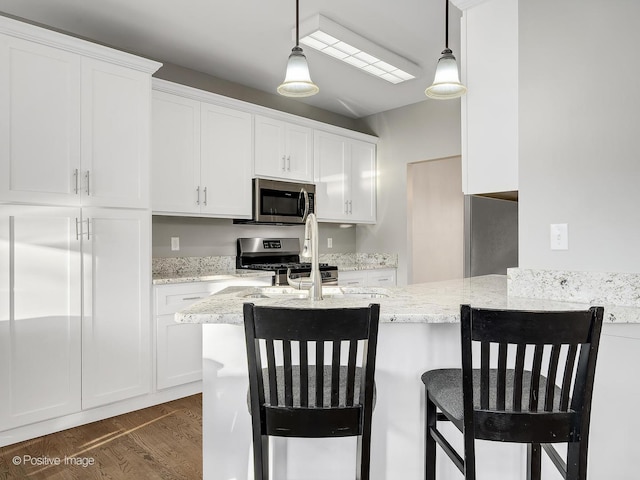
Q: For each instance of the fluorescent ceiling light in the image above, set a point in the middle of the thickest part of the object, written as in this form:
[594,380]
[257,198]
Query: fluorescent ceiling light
[326,36]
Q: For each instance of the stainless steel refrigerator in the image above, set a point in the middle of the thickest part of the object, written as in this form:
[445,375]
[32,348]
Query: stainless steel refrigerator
[491,235]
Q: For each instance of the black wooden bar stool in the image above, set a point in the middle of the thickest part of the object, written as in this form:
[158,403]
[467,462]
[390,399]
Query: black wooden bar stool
[537,395]
[300,393]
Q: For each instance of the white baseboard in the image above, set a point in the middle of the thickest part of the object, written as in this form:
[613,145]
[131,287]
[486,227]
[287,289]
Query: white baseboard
[34,430]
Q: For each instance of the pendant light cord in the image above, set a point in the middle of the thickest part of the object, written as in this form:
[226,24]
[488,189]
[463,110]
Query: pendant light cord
[446,23]
[297,24]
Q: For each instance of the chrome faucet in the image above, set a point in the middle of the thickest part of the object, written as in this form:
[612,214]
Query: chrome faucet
[310,250]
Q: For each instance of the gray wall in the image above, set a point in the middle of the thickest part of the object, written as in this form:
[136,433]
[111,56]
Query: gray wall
[214,236]
[579,114]
[424,131]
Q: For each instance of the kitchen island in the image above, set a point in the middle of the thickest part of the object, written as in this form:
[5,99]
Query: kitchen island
[419,331]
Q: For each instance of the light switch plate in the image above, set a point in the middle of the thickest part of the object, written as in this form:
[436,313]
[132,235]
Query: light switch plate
[559,236]
[175,244]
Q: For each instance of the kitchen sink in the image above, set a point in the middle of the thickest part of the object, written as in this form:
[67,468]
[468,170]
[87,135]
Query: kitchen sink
[327,292]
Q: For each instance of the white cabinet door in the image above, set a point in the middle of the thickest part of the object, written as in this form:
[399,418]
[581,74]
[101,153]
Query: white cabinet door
[283,150]
[175,154]
[179,352]
[39,314]
[115,135]
[331,177]
[299,148]
[39,123]
[490,108]
[116,358]
[345,177]
[225,164]
[270,159]
[362,206]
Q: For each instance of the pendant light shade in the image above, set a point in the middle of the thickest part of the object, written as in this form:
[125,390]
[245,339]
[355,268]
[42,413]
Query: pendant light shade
[297,80]
[446,83]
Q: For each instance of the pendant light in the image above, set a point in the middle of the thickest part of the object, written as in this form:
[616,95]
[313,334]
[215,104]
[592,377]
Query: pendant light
[446,83]
[297,81]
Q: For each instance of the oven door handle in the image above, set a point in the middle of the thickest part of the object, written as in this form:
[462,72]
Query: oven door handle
[301,283]
[304,195]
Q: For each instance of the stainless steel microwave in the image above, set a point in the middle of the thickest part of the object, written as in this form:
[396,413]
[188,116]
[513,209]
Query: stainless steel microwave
[280,202]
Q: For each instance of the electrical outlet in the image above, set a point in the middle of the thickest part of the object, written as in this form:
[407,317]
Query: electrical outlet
[175,244]
[329,242]
[559,236]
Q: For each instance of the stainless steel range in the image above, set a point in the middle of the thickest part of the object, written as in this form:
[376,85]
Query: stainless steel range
[279,255]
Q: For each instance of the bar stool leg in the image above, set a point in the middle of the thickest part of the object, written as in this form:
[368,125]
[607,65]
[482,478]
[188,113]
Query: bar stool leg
[534,461]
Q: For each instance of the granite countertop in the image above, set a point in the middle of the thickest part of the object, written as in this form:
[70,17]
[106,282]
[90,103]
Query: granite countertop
[436,302]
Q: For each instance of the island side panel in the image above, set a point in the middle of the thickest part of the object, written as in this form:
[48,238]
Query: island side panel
[405,351]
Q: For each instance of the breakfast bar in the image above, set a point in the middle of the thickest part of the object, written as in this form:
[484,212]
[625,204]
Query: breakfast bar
[419,330]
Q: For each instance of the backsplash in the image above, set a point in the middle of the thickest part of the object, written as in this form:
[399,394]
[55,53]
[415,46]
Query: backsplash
[360,261]
[192,265]
[597,288]
[619,293]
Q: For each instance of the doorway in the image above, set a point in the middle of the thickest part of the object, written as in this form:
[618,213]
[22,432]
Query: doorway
[435,211]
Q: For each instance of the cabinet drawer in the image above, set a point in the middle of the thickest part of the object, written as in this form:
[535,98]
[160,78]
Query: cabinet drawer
[173,298]
[381,278]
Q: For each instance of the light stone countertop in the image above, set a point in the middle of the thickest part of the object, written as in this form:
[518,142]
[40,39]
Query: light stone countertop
[436,302]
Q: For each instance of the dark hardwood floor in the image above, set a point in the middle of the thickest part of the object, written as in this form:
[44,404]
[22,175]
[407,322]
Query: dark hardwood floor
[160,442]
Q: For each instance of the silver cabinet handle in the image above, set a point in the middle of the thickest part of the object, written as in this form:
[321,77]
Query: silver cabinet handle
[75,180]
[350,207]
[346,206]
[88,229]
[198,192]
[284,163]
[78,233]
[87,176]
[205,196]
[191,298]
[289,163]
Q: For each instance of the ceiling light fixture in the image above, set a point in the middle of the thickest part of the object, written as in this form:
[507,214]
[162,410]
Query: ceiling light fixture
[297,81]
[328,37]
[446,83]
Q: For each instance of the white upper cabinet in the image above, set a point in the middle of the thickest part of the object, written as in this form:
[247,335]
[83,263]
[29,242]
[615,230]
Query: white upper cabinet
[283,150]
[115,135]
[201,158]
[490,107]
[225,162]
[175,153]
[39,123]
[345,177]
[74,121]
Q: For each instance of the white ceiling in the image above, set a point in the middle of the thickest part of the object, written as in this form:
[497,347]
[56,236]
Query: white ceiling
[248,41]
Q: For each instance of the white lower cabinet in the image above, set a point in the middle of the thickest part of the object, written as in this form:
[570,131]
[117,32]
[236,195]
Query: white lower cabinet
[179,345]
[116,332]
[40,308]
[382,277]
[74,310]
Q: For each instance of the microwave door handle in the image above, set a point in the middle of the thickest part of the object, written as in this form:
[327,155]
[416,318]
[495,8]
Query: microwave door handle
[305,212]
